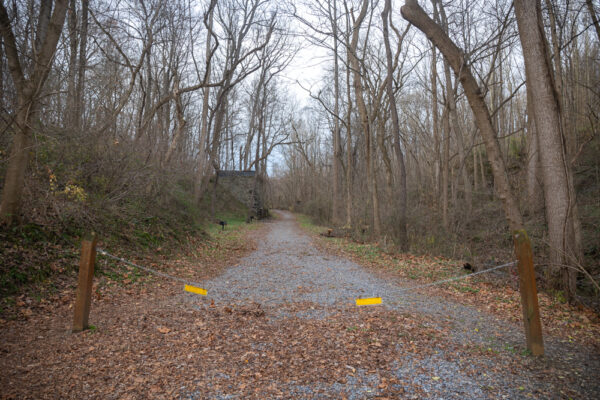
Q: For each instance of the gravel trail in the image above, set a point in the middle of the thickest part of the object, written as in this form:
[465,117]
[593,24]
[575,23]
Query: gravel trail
[287,269]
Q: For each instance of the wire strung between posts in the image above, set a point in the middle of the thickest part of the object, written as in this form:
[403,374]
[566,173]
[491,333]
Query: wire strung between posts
[153,271]
[456,278]
[391,293]
[175,278]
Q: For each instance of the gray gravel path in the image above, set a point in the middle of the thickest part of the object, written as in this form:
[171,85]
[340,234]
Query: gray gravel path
[287,268]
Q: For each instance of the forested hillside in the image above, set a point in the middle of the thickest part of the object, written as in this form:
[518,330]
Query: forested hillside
[115,117]
[436,127]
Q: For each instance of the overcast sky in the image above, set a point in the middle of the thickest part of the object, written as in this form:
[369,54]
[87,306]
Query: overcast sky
[308,68]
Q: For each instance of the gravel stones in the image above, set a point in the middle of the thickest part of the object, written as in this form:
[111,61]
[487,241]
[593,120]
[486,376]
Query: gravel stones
[287,269]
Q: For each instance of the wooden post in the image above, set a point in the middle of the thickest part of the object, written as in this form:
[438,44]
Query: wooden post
[529,298]
[84,285]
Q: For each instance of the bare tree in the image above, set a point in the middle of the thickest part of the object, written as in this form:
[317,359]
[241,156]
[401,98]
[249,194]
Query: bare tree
[337,140]
[237,55]
[202,156]
[561,208]
[364,114]
[593,16]
[29,85]
[386,16]
[415,15]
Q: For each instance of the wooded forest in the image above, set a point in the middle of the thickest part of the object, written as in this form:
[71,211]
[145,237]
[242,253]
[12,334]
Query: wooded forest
[435,127]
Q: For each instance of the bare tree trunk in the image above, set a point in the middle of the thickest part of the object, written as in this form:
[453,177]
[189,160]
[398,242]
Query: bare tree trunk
[535,201]
[72,72]
[363,112]
[475,174]
[28,92]
[445,163]
[436,128]
[349,163]
[337,141]
[79,101]
[385,15]
[386,158]
[455,126]
[260,133]
[149,87]
[180,124]
[464,173]
[557,75]
[2,87]
[374,194]
[556,169]
[590,6]
[415,15]
[17,165]
[445,128]
[255,110]
[482,169]
[202,156]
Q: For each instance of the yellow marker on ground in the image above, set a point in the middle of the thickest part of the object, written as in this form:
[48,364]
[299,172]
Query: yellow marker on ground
[194,289]
[369,301]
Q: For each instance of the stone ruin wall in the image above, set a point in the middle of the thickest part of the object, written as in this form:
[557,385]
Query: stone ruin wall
[246,188]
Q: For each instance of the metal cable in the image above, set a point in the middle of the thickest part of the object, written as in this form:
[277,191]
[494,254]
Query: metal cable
[456,278]
[175,278]
[153,271]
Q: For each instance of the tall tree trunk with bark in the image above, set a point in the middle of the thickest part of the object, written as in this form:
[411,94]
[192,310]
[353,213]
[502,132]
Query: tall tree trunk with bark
[387,162]
[559,192]
[203,140]
[179,127]
[81,66]
[445,163]
[349,163]
[594,16]
[385,16]
[454,125]
[535,200]
[72,71]
[364,114]
[446,132]
[337,141]
[436,129]
[475,174]
[415,15]
[28,93]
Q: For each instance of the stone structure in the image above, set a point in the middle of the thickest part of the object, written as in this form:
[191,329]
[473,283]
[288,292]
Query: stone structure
[247,188]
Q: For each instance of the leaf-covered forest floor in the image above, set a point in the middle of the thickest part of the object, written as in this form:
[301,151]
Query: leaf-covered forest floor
[496,293]
[279,322]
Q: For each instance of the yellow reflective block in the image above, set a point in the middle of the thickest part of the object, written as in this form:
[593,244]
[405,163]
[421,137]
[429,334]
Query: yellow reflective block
[194,289]
[369,301]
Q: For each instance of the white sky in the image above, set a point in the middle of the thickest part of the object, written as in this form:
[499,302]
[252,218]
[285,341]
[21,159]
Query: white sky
[310,63]
[308,68]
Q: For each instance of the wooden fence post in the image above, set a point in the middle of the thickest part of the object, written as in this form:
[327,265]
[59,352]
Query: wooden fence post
[529,298]
[84,285]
